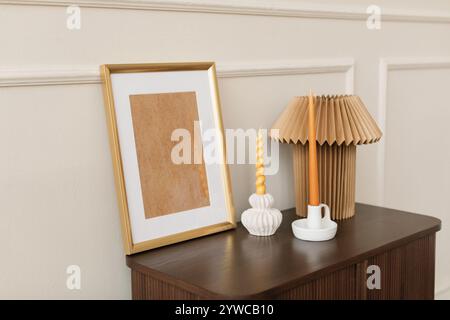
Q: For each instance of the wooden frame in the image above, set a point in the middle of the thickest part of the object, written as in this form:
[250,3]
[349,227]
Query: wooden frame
[129,246]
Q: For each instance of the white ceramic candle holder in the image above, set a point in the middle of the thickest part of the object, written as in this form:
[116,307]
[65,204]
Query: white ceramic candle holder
[261,219]
[315,227]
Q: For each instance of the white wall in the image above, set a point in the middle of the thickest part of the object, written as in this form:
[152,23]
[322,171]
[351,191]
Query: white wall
[57,199]
[417,168]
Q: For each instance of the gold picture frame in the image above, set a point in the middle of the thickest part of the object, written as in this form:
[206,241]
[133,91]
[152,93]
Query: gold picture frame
[130,246]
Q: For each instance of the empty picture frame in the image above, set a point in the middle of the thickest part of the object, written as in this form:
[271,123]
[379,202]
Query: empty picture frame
[167,190]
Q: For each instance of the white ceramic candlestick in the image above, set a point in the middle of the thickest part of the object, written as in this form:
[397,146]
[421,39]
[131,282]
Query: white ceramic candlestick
[315,227]
[261,219]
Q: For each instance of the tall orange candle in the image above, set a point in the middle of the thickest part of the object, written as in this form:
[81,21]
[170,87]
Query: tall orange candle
[260,177]
[313,169]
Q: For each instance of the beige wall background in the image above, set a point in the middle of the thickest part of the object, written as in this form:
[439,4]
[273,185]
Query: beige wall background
[57,198]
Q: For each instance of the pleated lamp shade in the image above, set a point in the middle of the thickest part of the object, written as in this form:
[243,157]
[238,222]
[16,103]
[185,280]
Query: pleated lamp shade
[342,123]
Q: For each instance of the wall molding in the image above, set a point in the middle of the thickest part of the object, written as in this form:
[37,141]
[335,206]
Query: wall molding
[43,76]
[66,75]
[386,65]
[249,7]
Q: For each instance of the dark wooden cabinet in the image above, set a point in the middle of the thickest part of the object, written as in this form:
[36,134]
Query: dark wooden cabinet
[236,265]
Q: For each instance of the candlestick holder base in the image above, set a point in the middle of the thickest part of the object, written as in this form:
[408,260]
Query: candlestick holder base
[314,227]
[261,219]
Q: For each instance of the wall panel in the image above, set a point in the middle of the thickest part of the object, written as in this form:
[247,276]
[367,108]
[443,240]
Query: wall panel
[417,155]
